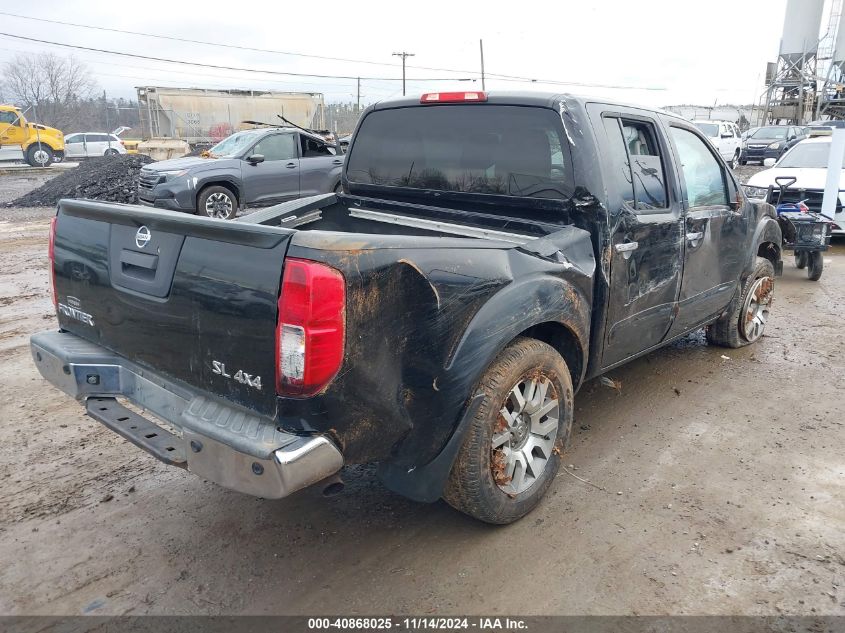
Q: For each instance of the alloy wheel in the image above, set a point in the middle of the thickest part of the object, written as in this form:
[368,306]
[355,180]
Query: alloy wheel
[756,308]
[219,205]
[525,434]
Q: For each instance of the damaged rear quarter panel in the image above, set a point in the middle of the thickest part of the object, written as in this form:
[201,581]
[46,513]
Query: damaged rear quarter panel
[425,317]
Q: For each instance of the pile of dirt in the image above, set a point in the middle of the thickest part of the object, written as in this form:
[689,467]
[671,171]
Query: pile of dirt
[113,178]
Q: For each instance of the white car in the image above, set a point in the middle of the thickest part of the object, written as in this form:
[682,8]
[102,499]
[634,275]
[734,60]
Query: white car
[90,144]
[807,163]
[725,137]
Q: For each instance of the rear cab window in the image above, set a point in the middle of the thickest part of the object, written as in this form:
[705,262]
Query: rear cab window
[502,150]
[636,164]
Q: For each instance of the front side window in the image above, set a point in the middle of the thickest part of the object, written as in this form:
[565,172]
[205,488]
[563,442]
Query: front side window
[276,147]
[472,148]
[703,174]
[8,117]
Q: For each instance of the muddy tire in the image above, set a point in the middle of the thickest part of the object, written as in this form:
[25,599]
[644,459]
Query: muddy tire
[39,155]
[506,464]
[801,260]
[217,202]
[815,265]
[745,319]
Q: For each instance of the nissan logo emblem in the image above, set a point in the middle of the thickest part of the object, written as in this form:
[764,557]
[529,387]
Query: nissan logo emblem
[142,237]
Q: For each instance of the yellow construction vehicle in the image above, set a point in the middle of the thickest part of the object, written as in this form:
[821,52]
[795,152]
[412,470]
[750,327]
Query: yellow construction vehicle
[40,145]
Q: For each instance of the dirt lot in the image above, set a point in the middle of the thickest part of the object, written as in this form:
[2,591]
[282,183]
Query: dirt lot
[720,474]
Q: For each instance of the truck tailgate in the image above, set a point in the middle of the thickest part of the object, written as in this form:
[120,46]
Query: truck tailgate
[192,298]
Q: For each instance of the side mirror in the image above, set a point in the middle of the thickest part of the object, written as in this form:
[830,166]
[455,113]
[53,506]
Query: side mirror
[791,137]
[255,159]
[769,162]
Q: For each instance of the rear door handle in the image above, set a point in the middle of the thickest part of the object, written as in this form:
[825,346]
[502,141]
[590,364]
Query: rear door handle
[291,165]
[626,248]
[695,238]
[337,162]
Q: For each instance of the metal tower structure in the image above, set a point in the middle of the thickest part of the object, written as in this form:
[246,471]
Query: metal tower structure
[793,80]
[831,66]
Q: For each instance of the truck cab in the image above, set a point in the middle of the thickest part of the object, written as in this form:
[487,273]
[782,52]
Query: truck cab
[38,144]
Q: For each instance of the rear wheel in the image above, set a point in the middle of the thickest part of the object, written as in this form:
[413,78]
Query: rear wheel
[510,455]
[801,260]
[745,319]
[815,265]
[217,202]
[111,152]
[39,155]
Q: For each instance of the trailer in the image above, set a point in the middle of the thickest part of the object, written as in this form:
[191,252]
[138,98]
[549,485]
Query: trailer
[200,116]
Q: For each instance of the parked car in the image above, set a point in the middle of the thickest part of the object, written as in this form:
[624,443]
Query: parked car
[255,167]
[807,162]
[771,141]
[488,254]
[725,137]
[91,144]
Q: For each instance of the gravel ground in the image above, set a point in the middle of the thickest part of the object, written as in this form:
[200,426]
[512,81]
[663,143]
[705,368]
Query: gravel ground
[719,488]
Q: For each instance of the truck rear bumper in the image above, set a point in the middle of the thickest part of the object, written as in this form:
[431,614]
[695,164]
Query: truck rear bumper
[229,446]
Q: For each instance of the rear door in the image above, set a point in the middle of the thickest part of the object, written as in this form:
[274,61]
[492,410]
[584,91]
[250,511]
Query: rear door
[319,167]
[276,178]
[715,230]
[646,224]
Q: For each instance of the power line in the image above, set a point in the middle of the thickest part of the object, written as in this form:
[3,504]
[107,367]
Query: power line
[502,77]
[218,67]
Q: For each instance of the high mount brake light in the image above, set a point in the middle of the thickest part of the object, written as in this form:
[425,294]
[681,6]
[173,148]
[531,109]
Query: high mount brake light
[52,254]
[453,97]
[310,328]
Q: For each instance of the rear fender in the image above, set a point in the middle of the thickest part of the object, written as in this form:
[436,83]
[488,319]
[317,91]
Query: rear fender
[519,306]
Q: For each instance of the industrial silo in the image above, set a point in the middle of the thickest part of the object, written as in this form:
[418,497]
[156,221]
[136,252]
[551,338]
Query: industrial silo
[801,29]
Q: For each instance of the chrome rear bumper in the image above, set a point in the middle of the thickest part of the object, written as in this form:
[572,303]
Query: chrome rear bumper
[230,446]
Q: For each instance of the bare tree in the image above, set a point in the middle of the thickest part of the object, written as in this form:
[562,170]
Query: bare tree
[56,86]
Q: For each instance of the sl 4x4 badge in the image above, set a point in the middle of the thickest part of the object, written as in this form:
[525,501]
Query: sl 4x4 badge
[240,376]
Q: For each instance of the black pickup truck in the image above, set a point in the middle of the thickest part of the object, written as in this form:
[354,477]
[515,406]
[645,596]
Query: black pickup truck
[487,254]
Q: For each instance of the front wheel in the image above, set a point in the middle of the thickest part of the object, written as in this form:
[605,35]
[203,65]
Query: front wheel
[510,455]
[815,265]
[735,160]
[745,319]
[801,260]
[217,202]
[39,155]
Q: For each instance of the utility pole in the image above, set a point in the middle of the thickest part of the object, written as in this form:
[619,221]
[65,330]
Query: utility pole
[358,100]
[403,55]
[481,47]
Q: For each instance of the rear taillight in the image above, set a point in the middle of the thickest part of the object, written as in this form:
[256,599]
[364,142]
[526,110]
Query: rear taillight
[52,253]
[310,329]
[453,97]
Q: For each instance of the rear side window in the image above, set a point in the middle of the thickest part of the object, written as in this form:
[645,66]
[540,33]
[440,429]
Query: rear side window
[474,148]
[703,175]
[637,164]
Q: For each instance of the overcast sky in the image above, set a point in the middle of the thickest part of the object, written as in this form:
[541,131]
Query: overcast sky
[663,52]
